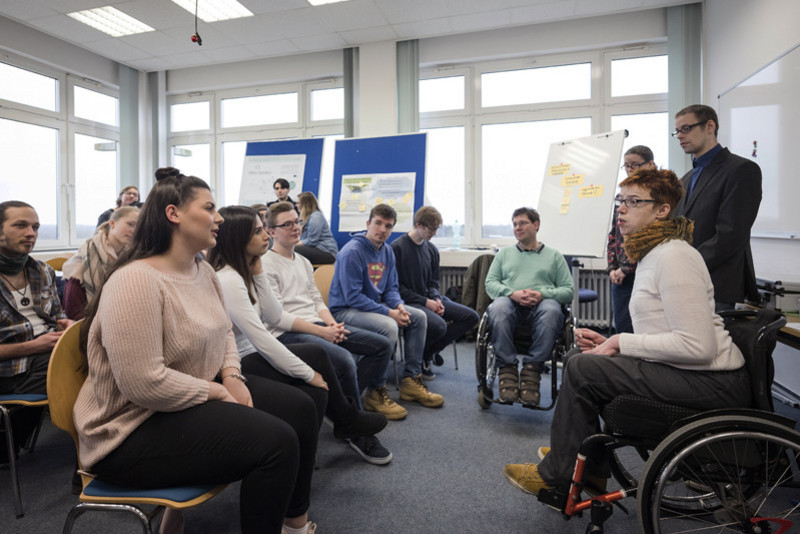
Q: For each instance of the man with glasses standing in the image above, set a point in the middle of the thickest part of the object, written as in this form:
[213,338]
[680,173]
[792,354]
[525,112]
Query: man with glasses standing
[418,276]
[722,196]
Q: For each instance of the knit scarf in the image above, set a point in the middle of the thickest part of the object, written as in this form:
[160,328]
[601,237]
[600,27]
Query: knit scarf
[12,266]
[90,263]
[638,244]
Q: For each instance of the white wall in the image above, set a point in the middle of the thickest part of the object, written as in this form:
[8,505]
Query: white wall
[740,36]
[43,48]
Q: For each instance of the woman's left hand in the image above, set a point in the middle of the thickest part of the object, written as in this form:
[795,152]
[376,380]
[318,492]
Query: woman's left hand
[609,347]
[238,390]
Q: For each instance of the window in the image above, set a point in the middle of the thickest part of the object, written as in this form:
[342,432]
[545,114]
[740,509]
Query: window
[327,104]
[29,170]
[28,88]
[530,86]
[639,76]
[441,94]
[232,167]
[645,129]
[264,109]
[95,161]
[95,106]
[445,175]
[514,158]
[193,160]
[190,116]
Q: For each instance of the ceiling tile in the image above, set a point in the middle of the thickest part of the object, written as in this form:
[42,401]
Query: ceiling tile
[273,6]
[301,23]
[151,64]
[369,35]
[67,28]
[273,48]
[543,12]
[116,49]
[232,53]
[351,15]
[68,6]
[158,14]
[261,28]
[26,9]
[189,59]
[426,28]
[327,41]
[158,43]
[411,10]
[212,38]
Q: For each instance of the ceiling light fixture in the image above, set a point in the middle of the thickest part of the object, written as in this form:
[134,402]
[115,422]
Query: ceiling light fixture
[320,2]
[111,21]
[214,10]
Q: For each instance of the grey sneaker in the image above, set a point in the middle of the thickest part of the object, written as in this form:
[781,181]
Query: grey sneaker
[371,449]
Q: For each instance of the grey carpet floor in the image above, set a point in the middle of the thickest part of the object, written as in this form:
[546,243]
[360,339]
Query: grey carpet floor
[446,476]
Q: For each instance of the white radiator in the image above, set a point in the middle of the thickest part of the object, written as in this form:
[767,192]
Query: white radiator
[595,314]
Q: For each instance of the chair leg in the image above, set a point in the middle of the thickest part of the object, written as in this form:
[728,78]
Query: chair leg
[397,349]
[12,460]
[80,509]
[35,436]
[455,353]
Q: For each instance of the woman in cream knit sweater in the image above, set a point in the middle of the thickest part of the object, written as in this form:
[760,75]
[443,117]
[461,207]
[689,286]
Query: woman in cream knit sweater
[165,402]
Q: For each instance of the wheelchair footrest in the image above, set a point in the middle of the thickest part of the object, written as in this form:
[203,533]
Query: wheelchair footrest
[553,498]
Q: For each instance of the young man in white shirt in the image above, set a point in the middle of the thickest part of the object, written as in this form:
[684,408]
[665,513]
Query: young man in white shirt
[306,319]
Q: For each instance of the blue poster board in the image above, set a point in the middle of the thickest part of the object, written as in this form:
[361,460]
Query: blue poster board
[377,155]
[310,148]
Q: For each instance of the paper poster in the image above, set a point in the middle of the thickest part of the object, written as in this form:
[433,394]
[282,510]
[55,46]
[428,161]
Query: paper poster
[360,192]
[260,172]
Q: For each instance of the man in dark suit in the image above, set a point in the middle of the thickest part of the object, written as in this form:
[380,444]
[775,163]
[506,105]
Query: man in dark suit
[723,193]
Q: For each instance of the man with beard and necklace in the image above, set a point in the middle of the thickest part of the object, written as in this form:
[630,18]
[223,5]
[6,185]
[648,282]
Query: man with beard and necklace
[31,318]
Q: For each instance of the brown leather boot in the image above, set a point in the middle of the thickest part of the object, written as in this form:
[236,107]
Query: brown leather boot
[529,384]
[509,384]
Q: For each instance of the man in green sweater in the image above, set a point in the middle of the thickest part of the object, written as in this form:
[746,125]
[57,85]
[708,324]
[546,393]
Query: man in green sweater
[528,282]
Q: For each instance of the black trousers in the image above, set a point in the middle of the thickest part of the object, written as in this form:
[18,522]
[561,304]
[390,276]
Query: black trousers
[315,255]
[271,449]
[333,403]
[590,382]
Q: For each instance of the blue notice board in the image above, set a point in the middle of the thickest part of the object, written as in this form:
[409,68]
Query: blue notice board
[377,155]
[254,186]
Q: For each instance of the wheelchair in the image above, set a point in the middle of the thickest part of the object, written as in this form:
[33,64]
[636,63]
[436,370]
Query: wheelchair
[486,371]
[732,470]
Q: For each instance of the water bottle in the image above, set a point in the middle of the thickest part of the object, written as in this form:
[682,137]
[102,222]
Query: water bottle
[456,235]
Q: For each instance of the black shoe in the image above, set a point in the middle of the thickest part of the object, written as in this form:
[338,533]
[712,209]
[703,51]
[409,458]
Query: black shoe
[427,371]
[363,424]
[438,360]
[371,450]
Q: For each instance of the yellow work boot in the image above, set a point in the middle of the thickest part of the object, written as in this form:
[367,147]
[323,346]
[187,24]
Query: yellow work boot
[412,389]
[378,400]
[525,477]
[542,452]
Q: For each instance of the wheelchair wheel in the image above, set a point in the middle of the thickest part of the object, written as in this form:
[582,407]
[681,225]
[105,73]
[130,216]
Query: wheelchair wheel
[627,464]
[733,473]
[484,364]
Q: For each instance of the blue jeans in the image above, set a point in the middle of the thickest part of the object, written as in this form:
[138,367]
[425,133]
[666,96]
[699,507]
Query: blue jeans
[440,334]
[545,319]
[413,334]
[620,300]
[375,351]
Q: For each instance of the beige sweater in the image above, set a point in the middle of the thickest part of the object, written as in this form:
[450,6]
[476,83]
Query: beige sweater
[155,343]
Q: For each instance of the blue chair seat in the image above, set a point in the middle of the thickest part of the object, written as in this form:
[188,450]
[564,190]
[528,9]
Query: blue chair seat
[23,397]
[100,489]
[586,295]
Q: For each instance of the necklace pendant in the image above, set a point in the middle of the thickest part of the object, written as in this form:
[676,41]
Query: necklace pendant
[25,301]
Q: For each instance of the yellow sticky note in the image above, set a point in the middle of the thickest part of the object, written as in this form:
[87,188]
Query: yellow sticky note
[563,168]
[406,198]
[355,196]
[567,192]
[390,202]
[342,205]
[565,201]
[379,200]
[572,179]
[362,207]
[591,191]
[564,209]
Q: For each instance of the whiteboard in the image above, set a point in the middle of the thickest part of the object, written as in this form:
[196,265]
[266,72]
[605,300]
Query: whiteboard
[578,190]
[758,119]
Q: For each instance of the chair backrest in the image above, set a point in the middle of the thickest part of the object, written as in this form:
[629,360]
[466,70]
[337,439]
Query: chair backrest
[65,376]
[58,263]
[755,332]
[323,277]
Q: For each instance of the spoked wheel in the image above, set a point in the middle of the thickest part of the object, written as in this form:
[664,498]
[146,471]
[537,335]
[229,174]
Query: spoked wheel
[484,365]
[723,474]
[627,464]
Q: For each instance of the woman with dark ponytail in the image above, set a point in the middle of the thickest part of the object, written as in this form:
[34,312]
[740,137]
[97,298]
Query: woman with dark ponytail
[165,402]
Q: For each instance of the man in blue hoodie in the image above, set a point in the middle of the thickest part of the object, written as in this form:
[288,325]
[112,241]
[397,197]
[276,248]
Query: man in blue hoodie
[364,293]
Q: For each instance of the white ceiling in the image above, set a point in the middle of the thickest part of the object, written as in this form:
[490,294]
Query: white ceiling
[283,27]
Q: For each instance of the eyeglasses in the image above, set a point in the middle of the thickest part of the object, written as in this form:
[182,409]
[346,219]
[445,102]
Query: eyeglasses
[619,200]
[289,224]
[632,166]
[687,128]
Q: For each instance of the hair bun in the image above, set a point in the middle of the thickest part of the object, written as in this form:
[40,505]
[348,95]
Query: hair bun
[167,172]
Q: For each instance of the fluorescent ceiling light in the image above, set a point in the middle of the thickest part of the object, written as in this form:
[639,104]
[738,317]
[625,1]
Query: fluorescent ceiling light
[111,21]
[320,2]
[214,10]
